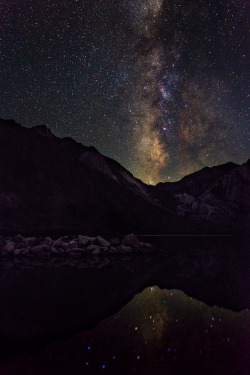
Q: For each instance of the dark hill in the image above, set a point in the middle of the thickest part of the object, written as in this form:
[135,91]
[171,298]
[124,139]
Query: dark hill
[50,185]
[53,185]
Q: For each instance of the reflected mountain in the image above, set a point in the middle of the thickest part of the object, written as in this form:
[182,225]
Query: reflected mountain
[158,331]
[45,302]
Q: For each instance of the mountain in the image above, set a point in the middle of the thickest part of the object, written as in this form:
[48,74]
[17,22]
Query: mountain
[50,185]
[53,185]
[215,199]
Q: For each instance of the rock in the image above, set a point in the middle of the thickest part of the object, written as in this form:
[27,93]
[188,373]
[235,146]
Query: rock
[82,265]
[65,238]
[124,249]
[58,262]
[64,245]
[9,247]
[92,247]
[39,248]
[20,240]
[72,243]
[91,239]
[57,243]
[68,250]
[93,261]
[132,241]
[47,241]
[18,252]
[31,241]
[102,242]
[112,250]
[103,263]
[54,251]
[75,254]
[79,250]
[115,241]
[60,250]
[83,241]
[44,254]
[147,246]
[104,249]
[75,251]
[96,252]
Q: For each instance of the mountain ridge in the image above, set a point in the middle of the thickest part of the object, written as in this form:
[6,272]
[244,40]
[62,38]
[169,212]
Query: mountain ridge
[57,185]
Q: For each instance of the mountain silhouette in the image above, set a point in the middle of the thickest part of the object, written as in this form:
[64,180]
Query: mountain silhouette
[50,185]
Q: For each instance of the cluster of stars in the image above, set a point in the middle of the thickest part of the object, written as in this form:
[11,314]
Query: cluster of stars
[160,86]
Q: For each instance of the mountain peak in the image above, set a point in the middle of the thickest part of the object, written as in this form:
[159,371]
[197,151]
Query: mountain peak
[43,130]
[52,185]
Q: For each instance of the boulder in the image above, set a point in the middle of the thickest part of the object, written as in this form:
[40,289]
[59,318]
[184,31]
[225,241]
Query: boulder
[124,249]
[104,249]
[60,250]
[72,243]
[47,241]
[78,250]
[46,254]
[65,238]
[93,261]
[83,241]
[112,250]
[18,252]
[96,251]
[64,245]
[75,254]
[92,247]
[102,242]
[91,239]
[20,240]
[147,246]
[57,243]
[9,247]
[54,251]
[132,241]
[31,241]
[115,241]
[58,262]
[40,248]
[103,263]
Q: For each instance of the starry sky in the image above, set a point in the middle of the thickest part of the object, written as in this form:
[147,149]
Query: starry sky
[160,86]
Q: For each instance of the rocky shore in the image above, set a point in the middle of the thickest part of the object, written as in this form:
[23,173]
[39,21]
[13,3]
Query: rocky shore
[70,246]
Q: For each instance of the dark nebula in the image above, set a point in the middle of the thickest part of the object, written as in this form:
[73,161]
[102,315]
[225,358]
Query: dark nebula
[160,86]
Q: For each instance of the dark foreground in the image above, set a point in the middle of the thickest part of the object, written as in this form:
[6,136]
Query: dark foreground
[86,316]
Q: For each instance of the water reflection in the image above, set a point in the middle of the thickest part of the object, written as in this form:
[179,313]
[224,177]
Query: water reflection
[158,332]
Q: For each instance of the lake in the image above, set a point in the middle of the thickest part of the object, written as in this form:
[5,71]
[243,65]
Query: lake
[141,314]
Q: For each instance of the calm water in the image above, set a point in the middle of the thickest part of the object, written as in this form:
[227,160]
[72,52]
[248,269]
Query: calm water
[128,315]
[157,332]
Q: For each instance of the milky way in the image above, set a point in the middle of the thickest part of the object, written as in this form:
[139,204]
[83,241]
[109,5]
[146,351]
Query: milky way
[160,86]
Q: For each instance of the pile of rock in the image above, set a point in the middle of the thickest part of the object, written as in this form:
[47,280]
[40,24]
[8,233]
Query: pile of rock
[77,246]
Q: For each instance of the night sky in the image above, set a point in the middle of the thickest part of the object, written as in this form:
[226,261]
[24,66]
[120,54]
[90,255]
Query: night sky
[160,86]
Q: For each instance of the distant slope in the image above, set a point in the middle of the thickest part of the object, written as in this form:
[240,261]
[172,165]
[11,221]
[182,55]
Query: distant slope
[53,185]
[216,199]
